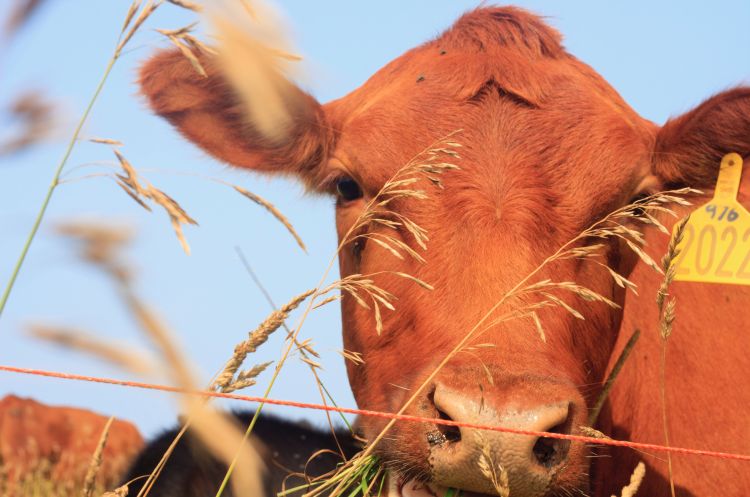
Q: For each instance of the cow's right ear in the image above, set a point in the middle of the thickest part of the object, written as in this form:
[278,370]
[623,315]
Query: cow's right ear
[207,111]
[689,148]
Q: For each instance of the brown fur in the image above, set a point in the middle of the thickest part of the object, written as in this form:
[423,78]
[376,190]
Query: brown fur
[548,148]
[706,384]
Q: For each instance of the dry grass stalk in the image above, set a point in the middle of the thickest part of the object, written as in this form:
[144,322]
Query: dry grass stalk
[118,354]
[144,14]
[215,431]
[354,357]
[106,141]
[429,164]
[635,481]
[252,56]
[40,478]
[160,335]
[100,241]
[36,118]
[246,378]
[121,491]
[666,311]
[100,244]
[20,14]
[226,380]
[610,227]
[223,438]
[188,45]
[327,300]
[134,6]
[185,4]
[356,283]
[274,211]
[495,473]
[592,432]
[96,461]
[142,191]
[614,373]
[304,348]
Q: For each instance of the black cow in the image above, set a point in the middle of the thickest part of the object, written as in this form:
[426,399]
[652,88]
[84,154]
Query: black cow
[285,447]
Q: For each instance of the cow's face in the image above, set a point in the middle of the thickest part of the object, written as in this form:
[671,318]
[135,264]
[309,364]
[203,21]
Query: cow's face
[547,148]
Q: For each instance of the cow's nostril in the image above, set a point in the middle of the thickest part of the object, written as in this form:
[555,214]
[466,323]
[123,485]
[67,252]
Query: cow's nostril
[450,433]
[550,452]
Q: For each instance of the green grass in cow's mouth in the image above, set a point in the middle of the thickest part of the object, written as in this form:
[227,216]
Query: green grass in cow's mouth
[366,479]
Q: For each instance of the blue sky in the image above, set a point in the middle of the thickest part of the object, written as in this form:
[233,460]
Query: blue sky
[663,57]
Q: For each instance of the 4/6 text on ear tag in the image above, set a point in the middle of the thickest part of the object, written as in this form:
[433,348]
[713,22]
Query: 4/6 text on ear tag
[715,246]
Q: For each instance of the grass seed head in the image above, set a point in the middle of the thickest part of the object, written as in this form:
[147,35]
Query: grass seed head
[635,481]
[495,473]
[255,339]
[186,4]
[96,461]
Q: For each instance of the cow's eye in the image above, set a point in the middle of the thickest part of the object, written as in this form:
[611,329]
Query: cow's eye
[348,189]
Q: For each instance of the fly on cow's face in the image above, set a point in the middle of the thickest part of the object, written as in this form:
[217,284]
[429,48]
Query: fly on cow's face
[357,247]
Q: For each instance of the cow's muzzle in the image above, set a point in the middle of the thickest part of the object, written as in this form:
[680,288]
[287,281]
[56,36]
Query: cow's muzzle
[483,461]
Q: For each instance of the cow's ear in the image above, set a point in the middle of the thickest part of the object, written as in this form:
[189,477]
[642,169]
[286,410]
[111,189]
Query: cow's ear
[689,148]
[207,111]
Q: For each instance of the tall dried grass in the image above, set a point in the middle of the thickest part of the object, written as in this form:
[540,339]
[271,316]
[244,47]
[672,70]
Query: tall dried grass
[214,429]
[427,165]
[254,55]
[125,36]
[20,14]
[35,118]
[96,461]
[666,307]
[636,479]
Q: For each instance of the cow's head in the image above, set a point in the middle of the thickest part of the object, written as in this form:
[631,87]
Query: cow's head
[548,147]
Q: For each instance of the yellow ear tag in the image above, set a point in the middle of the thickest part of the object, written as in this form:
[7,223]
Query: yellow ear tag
[715,246]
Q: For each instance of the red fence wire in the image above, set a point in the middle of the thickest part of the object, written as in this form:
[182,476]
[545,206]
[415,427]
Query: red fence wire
[378,414]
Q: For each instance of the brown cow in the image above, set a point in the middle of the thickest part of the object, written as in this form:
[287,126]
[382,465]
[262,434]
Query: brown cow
[548,147]
[56,443]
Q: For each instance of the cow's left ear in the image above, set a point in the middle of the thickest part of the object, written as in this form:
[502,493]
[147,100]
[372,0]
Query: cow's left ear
[689,148]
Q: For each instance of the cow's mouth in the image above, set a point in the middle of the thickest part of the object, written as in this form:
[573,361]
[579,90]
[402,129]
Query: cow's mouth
[400,487]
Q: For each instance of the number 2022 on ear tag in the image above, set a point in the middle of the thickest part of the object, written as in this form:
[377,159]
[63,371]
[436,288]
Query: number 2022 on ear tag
[715,246]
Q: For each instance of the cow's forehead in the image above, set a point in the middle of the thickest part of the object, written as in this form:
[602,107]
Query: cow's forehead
[559,138]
